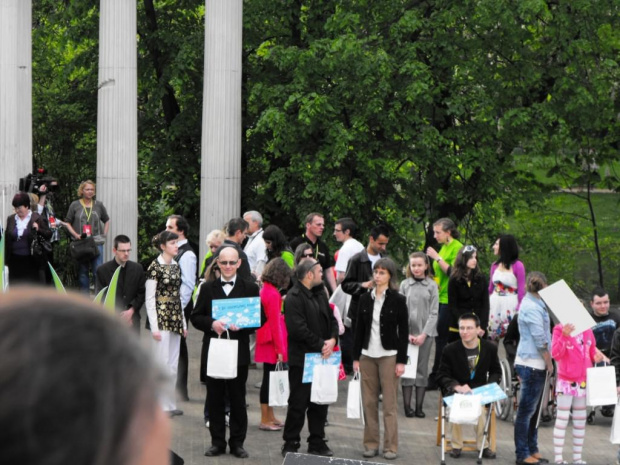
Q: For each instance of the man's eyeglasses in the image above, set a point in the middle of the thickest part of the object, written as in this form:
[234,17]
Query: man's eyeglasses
[228,263]
[337,230]
[123,251]
[469,249]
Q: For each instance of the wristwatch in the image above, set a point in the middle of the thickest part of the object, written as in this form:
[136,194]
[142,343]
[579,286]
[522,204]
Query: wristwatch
[438,259]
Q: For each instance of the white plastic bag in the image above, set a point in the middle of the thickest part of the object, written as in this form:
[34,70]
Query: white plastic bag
[278,387]
[354,398]
[615,426]
[601,386]
[411,367]
[324,384]
[222,358]
[466,409]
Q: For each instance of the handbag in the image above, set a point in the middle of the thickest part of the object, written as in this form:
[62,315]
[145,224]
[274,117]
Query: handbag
[222,358]
[40,246]
[466,409]
[84,249]
[324,384]
[601,386]
[355,408]
[278,387]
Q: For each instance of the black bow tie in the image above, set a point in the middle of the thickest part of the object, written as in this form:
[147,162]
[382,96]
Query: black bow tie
[231,283]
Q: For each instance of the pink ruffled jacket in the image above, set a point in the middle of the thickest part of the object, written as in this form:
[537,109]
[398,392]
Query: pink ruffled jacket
[271,338]
[572,365]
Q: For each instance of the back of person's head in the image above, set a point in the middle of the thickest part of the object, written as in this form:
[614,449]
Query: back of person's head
[536,281]
[508,250]
[470,316]
[347,224]
[121,239]
[76,385]
[235,225]
[448,225]
[379,230]
[277,272]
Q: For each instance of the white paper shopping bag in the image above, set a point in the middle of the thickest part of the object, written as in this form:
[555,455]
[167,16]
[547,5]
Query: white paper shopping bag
[324,384]
[354,398]
[466,409]
[278,387]
[411,367]
[601,386]
[222,358]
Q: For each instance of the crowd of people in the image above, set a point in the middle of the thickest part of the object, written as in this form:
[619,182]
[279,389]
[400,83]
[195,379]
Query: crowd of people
[316,302]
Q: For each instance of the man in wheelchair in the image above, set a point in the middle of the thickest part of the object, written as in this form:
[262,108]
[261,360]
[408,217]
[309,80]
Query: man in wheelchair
[465,365]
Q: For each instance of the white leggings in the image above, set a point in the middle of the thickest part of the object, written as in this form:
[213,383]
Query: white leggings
[564,403]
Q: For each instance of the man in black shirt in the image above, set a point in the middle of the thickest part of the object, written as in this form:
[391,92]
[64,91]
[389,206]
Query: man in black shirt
[315,225]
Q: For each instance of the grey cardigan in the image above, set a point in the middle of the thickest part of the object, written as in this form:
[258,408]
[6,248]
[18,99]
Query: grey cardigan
[422,304]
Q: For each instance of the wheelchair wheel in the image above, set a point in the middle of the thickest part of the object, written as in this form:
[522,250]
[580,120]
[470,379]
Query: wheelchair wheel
[503,406]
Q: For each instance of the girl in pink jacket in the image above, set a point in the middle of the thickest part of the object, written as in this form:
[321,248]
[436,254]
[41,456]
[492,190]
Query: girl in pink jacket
[573,355]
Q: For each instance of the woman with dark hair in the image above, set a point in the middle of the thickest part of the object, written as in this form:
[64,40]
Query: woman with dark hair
[446,234]
[77,386]
[467,291]
[380,354]
[165,315]
[303,251]
[506,286]
[21,230]
[271,343]
[277,245]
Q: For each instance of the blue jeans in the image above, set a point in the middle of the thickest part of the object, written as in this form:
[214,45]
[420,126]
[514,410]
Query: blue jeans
[526,433]
[84,267]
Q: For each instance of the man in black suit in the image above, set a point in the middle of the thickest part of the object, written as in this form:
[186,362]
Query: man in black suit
[467,364]
[131,281]
[312,327]
[229,286]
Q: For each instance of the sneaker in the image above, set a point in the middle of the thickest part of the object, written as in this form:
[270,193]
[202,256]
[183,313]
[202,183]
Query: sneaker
[389,455]
[291,447]
[320,449]
[370,453]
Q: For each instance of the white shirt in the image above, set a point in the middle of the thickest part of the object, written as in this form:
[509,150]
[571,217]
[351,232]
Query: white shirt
[375,347]
[256,251]
[349,248]
[227,288]
[187,263]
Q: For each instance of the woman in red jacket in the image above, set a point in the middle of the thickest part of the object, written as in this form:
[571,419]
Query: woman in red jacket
[574,355]
[271,337]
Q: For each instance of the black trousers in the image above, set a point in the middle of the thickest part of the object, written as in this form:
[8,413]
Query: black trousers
[217,389]
[443,335]
[298,404]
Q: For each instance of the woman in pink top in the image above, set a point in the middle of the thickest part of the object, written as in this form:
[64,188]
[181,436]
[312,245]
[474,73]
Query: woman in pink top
[271,337]
[573,355]
[506,285]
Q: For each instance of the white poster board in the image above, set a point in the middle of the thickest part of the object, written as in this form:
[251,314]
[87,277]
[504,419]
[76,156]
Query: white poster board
[567,307]
[411,367]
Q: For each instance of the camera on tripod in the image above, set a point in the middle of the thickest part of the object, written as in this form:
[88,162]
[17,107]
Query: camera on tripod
[34,181]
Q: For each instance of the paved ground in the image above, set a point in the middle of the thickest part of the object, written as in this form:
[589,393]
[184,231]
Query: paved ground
[417,436]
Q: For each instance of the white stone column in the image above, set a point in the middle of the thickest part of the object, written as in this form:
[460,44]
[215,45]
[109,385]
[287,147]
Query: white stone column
[220,179]
[117,118]
[15,98]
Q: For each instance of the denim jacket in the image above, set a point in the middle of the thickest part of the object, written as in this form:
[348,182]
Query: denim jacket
[534,328]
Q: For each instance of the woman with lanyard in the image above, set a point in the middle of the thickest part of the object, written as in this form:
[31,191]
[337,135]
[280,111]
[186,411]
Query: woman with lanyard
[88,217]
[446,234]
